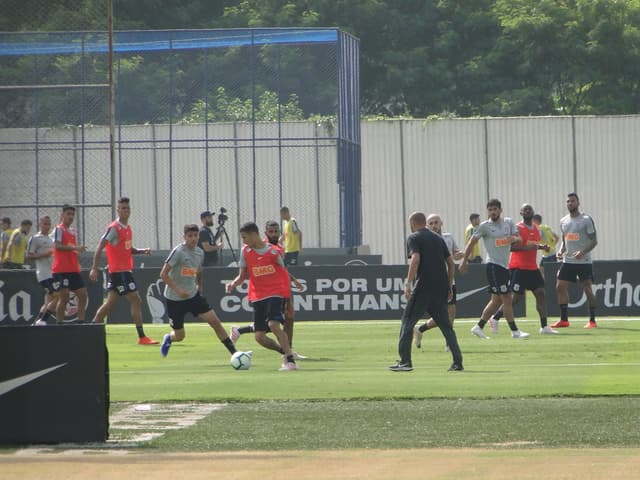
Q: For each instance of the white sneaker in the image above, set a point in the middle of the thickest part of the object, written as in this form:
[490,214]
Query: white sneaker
[40,323]
[417,336]
[297,356]
[548,331]
[235,334]
[493,323]
[477,331]
[288,366]
[519,334]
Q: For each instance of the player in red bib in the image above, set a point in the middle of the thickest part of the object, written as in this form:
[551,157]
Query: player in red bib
[118,242]
[263,265]
[66,267]
[523,266]
[272,236]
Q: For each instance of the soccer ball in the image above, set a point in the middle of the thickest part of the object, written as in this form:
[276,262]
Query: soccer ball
[241,360]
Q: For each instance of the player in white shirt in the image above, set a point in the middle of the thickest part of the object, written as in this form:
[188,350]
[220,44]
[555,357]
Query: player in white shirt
[40,250]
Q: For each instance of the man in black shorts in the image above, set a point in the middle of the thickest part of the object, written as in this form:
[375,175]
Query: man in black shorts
[525,274]
[578,233]
[182,276]
[428,287]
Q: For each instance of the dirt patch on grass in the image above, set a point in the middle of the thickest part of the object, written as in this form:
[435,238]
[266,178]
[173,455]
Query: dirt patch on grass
[579,464]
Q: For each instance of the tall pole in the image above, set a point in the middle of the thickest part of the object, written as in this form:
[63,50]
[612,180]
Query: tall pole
[112,110]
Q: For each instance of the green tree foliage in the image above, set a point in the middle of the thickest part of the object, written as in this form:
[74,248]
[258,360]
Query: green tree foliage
[418,57]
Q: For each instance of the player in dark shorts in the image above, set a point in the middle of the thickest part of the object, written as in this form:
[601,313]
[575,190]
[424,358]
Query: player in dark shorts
[525,274]
[498,235]
[272,236]
[182,276]
[578,232]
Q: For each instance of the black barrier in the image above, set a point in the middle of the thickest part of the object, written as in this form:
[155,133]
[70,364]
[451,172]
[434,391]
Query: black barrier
[616,286]
[21,298]
[54,384]
[331,293]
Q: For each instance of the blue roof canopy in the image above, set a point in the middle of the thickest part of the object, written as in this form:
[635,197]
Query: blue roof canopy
[75,43]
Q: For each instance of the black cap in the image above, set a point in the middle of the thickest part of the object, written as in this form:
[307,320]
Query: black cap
[206,213]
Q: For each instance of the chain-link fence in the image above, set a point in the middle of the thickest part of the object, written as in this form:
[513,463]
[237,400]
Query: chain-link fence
[248,120]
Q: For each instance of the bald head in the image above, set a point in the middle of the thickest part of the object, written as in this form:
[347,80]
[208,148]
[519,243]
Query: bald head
[417,220]
[434,223]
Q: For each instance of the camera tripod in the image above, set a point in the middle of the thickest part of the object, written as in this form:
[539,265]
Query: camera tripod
[223,231]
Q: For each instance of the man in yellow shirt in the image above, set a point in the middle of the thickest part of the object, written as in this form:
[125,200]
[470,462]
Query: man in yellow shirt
[291,237]
[547,237]
[5,235]
[475,256]
[14,255]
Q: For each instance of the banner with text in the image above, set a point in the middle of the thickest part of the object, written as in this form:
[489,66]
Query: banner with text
[21,297]
[329,293]
[616,286]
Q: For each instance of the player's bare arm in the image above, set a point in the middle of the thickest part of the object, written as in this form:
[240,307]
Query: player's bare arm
[93,273]
[467,251]
[242,276]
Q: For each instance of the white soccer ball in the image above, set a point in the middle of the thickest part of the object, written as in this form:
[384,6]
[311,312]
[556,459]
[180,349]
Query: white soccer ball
[241,361]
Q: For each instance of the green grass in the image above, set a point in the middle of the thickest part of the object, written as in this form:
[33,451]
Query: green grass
[577,389]
[349,360]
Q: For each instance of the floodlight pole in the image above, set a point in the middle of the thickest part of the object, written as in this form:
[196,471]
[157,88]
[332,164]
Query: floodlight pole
[112,116]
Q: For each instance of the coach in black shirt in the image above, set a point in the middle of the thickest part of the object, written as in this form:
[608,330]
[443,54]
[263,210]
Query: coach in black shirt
[428,289]
[207,241]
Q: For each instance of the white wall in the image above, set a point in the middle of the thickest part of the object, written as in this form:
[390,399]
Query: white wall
[447,166]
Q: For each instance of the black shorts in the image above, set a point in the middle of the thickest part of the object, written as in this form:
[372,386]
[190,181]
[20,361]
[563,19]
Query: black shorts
[498,278]
[455,295]
[549,259]
[264,311]
[122,282]
[178,309]
[291,258]
[69,280]
[47,284]
[523,280]
[569,272]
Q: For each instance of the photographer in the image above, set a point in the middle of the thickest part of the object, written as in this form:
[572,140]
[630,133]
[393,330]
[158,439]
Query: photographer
[209,241]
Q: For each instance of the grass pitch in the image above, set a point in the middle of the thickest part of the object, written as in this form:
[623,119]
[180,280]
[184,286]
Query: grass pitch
[576,389]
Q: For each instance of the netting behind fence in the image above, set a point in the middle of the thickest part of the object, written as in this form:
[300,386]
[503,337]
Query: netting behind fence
[245,119]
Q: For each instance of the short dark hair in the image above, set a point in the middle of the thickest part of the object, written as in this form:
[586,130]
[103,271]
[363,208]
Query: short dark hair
[494,202]
[26,222]
[123,200]
[537,218]
[6,220]
[191,227]
[249,227]
[271,223]
[284,209]
[66,207]
[573,194]
[473,216]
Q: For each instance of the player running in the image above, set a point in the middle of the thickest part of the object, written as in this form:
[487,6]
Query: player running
[578,239]
[269,284]
[525,274]
[434,223]
[182,276]
[272,236]
[498,234]
[118,242]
